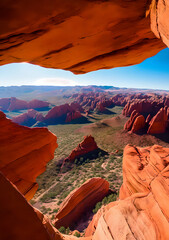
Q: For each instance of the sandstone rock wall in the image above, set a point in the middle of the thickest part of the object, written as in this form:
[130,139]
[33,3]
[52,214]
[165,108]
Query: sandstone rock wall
[24,153]
[142,212]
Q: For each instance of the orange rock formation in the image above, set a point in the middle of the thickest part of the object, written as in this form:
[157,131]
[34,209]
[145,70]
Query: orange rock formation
[24,153]
[138,124]
[81,200]
[158,123]
[87,145]
[143,211]
[128,125]
[81,36]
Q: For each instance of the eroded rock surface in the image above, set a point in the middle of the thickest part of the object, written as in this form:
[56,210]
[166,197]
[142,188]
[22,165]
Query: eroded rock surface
[158,123]
[81,200]
[24,153]
[79,36]
[138,124]
[142,212]
[86,146]
[159,12]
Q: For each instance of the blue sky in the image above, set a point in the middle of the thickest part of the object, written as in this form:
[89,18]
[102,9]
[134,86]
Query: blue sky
[152,73]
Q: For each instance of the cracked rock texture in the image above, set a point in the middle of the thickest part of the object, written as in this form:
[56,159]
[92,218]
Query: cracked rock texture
[81,36]
[24,153]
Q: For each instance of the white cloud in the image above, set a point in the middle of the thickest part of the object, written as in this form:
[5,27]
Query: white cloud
[55,82]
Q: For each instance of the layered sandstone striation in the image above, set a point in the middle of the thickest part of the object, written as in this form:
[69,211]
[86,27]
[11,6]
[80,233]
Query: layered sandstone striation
[81,36]
[142,212]
[80,201]
[159,14]
[24,153]
[19,215]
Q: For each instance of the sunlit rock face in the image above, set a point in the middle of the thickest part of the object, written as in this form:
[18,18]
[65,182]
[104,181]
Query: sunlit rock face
[24,153]
[142,212]
[159,12]
[80,201]
[79,36]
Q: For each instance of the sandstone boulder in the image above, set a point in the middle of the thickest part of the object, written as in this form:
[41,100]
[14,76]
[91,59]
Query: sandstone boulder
[80,201]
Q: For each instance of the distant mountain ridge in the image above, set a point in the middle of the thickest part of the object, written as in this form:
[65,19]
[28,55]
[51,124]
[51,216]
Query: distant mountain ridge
[28,92]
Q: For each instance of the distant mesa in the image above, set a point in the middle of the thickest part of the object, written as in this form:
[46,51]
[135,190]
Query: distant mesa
[29,118]
[65,113]
[80,201]
[14,104]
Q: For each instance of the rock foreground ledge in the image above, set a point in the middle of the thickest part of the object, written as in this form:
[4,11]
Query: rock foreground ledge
[141,213]
[24,153]
[82,36]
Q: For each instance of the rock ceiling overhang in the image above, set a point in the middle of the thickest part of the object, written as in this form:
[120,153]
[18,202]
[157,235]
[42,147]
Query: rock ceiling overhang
[84,35]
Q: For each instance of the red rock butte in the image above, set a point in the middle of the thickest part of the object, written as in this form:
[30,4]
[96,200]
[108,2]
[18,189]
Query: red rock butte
[86,146]
[82,36]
